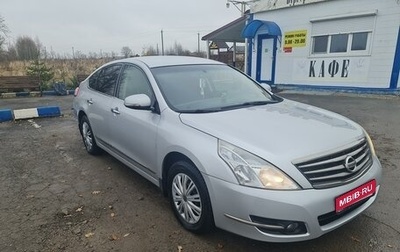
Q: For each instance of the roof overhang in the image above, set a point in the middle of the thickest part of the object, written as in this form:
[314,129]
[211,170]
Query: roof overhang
[250,30]
[231,32]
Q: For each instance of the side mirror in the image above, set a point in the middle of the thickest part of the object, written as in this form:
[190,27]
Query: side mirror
[138,101]
[266,87]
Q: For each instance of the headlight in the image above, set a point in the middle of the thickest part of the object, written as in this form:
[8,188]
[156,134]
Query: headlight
[253,171]
[371,145]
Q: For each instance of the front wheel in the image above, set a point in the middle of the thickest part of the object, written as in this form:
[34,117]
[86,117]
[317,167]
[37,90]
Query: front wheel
[88,137]
[189,198]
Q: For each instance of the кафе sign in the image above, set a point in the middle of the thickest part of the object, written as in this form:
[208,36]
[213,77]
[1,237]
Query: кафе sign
[341,69]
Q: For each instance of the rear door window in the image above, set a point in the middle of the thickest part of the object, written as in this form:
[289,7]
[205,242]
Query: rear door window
[106,79]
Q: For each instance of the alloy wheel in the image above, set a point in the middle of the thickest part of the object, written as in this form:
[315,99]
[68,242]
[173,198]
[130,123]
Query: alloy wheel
[186,198]
[87,135]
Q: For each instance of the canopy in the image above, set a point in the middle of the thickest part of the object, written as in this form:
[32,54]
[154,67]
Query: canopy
[253,26]
[228,33]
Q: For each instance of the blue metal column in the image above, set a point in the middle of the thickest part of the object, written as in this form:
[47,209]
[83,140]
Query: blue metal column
[396,65]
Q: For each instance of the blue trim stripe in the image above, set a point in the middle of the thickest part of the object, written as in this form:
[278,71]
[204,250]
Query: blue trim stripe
[19,94]
[250,49]
[360,90]
[48,111]
[6,115]
[36,93]
[250,57]
[396,65]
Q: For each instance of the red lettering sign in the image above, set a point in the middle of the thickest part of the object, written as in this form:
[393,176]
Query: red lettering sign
[287,49]
[355,195]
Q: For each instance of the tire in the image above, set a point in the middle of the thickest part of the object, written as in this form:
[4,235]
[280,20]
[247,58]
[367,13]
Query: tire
[88,137]
[191,207]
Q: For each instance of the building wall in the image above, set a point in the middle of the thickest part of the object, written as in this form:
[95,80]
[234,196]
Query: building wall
[296,64]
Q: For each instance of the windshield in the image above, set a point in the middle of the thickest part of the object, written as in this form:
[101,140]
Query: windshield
[208,88]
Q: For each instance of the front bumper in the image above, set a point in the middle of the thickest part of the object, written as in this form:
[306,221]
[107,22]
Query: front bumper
[239,209]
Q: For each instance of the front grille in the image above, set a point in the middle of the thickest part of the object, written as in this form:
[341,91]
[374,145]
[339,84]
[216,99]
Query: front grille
[332,216]
[330,171]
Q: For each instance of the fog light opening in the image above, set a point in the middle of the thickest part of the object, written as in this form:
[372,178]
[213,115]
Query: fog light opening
[287,227]
[291,227]
[295,228]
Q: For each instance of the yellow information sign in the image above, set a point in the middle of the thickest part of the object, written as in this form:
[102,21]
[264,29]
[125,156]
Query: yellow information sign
[295,38]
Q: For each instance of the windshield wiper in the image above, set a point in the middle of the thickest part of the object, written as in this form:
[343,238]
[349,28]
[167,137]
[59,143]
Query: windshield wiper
[248,104]
[235,106]
[195,111]
[256,103]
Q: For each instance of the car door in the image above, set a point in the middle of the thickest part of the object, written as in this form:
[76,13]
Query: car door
[134,131]
[99,100]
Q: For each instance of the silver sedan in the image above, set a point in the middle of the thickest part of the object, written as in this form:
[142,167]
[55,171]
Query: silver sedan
[226,151]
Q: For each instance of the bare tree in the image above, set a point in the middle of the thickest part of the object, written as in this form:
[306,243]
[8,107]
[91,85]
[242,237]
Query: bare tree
[3,31]
[93,55]
[53,54]
[27,48]
[126,52]
[177,49]
[80,55]
[12,53]
[3,34]
[148,51]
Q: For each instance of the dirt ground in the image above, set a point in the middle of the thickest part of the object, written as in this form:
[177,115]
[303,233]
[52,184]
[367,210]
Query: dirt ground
[56,197]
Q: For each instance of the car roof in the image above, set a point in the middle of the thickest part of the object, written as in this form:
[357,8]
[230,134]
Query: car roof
[160,61]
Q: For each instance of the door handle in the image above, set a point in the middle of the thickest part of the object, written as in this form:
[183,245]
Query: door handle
[90,101]
[115,111]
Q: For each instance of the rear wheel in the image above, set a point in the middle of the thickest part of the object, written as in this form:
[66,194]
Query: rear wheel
[189,198]
[88,137]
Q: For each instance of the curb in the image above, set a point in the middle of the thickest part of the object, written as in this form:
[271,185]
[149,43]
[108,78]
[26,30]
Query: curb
[18,114]
[33,94]
[6,115]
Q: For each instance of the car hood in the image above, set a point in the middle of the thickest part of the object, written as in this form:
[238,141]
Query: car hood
[288,130]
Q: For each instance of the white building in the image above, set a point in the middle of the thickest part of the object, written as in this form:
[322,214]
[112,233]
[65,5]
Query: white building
[325,43]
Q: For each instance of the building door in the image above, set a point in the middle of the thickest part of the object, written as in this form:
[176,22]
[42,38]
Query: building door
[266,54]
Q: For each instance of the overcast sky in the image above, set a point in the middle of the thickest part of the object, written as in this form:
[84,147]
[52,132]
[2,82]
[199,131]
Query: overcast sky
[108,25]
